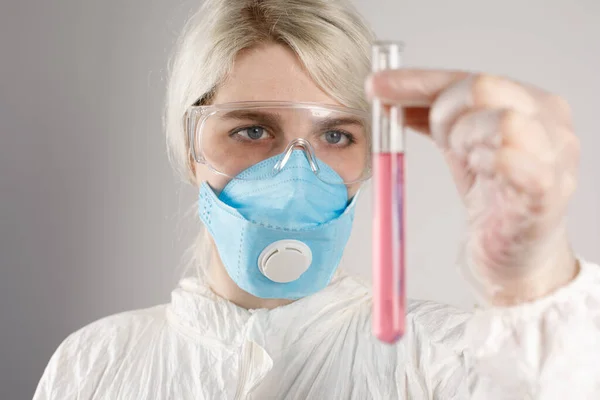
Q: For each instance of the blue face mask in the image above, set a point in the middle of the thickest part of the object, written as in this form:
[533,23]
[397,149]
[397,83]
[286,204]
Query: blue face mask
[282,236]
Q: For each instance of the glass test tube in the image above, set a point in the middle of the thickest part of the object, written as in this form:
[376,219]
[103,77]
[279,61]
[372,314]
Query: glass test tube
[388,213]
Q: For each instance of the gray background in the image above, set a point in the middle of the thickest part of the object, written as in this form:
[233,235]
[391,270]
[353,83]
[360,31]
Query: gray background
[92,221]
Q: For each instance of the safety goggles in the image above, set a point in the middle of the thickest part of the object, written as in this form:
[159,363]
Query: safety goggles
[230,138]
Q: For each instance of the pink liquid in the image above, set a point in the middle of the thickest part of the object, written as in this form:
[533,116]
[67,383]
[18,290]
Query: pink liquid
[388,247]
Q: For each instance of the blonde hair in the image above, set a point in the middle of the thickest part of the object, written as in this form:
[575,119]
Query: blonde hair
[329,37]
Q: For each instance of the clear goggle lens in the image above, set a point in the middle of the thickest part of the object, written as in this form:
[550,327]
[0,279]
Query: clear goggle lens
[233,137]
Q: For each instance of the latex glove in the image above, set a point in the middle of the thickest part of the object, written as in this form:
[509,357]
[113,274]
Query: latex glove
[513,155]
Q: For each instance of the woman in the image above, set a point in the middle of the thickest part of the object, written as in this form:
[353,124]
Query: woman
[266,116]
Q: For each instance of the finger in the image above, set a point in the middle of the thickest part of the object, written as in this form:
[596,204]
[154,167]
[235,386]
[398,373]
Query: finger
[495,127]
[542,192]
[527,134]
[567,148]
[525,173]
[482,160]
[410,87]
[477,136]
[475,93]
[475,128]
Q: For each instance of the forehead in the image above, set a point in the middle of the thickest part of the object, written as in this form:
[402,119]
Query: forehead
[270,72]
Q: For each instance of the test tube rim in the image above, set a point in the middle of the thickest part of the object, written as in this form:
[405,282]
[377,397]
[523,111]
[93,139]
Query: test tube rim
[382,43]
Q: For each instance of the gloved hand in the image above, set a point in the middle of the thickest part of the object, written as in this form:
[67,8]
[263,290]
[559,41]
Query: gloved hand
[513,155]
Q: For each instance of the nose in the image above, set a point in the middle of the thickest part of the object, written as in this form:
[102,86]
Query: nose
[302,145]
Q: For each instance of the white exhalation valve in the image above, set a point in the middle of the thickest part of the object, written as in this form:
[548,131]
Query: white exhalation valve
[285,260]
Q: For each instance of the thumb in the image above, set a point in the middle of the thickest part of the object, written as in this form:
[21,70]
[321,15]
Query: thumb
[410,87]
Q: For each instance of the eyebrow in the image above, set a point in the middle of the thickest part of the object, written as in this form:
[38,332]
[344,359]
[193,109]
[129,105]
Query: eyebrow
[267,118]
[275,120]
[329,123]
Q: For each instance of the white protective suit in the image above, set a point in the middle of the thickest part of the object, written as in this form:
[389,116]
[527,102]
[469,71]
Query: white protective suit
[203,347]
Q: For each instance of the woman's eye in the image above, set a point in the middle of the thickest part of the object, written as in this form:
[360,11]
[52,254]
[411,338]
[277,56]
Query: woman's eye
[253,133]
[336,138]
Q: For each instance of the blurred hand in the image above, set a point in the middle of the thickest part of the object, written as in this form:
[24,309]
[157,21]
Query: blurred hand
[513,155]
